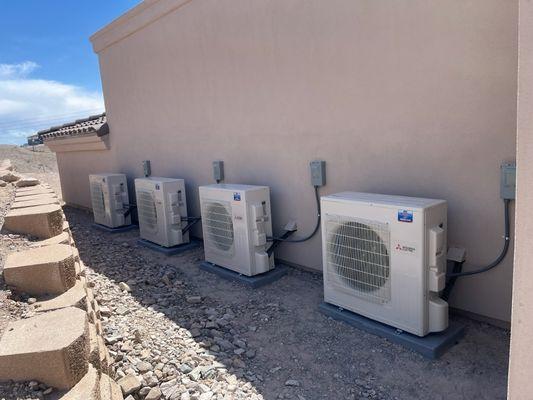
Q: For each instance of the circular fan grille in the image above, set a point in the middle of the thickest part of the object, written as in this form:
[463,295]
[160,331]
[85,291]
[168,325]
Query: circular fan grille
[359,256]
[146,209]
[219,226]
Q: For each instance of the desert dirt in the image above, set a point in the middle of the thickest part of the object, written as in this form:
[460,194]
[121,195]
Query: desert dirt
[191,335]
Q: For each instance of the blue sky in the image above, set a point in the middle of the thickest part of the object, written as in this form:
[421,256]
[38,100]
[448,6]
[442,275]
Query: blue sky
[48,71]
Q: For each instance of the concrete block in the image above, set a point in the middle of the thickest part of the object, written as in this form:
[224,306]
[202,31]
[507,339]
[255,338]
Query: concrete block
[41,186]
[33,203]
[27,181]
[32,197]
[52,348]
[103,354]
[109,389]
[88,388]
[76,296]
[41,221]
[32,192]
[43,270]
[62,238]
[94,349]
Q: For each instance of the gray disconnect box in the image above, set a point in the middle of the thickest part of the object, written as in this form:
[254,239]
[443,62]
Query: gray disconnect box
[218,170]
[318,173]
[508,181]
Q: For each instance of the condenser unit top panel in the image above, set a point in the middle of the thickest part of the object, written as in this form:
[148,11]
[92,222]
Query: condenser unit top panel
[159,179]
[383,200]
[107,174]
[232,187]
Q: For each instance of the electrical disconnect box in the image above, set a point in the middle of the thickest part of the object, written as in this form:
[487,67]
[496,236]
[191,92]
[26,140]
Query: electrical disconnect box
[508,181]
[218,170]
[318,173]
[147,168]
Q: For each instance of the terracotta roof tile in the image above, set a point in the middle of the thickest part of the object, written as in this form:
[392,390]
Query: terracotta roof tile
[93,124]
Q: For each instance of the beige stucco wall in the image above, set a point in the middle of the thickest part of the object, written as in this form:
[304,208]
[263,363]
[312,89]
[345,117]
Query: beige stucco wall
[404,97]
[74,169]
[521,362]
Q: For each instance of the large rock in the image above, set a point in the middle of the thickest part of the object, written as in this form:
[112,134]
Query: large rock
[76,296]
[129,384]
[88,388]
[41,221]
[27,181]
[5,165]
[9,176]
[52,348]
[43,270]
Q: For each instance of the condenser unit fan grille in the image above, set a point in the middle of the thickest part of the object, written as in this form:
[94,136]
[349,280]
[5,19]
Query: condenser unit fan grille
[358,256]
[146,209]
[97,199]
[218,223]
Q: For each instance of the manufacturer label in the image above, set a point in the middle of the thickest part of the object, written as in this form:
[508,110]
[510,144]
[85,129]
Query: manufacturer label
[236,196]
[405,216]
[406,248]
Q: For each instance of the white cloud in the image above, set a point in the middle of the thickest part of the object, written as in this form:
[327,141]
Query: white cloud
[28,105]
[22,69]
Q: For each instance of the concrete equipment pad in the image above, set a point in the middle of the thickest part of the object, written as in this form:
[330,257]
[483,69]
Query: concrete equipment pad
[252,281]
[120,229]
[431,346]
[170,251]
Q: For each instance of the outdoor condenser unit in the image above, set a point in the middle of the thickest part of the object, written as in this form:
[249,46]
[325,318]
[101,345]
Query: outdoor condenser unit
[110,201]
[162,209]
[384,257]
[236,221]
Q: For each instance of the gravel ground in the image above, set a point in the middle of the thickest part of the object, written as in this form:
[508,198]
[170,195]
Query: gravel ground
[186,331]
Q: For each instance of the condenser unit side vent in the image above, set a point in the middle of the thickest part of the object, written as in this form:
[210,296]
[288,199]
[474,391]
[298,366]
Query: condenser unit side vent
[97,199]
[147,209]
[218,222]
[358,257]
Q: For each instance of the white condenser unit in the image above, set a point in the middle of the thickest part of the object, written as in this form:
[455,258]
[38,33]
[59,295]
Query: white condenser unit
[162,209]
[384,257]
[110,201]
[236,221]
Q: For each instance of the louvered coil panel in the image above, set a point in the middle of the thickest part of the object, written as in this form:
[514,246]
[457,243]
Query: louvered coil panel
[358,256]
[218,222]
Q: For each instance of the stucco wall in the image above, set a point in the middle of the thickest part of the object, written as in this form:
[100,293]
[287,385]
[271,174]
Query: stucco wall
[74,170]
[400,97]
[521,362]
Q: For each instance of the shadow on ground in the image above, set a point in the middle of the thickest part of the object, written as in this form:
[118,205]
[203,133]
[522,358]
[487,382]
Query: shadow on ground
[291,340]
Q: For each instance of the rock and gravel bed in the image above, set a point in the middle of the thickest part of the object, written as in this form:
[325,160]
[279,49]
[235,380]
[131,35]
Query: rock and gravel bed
[177,332]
